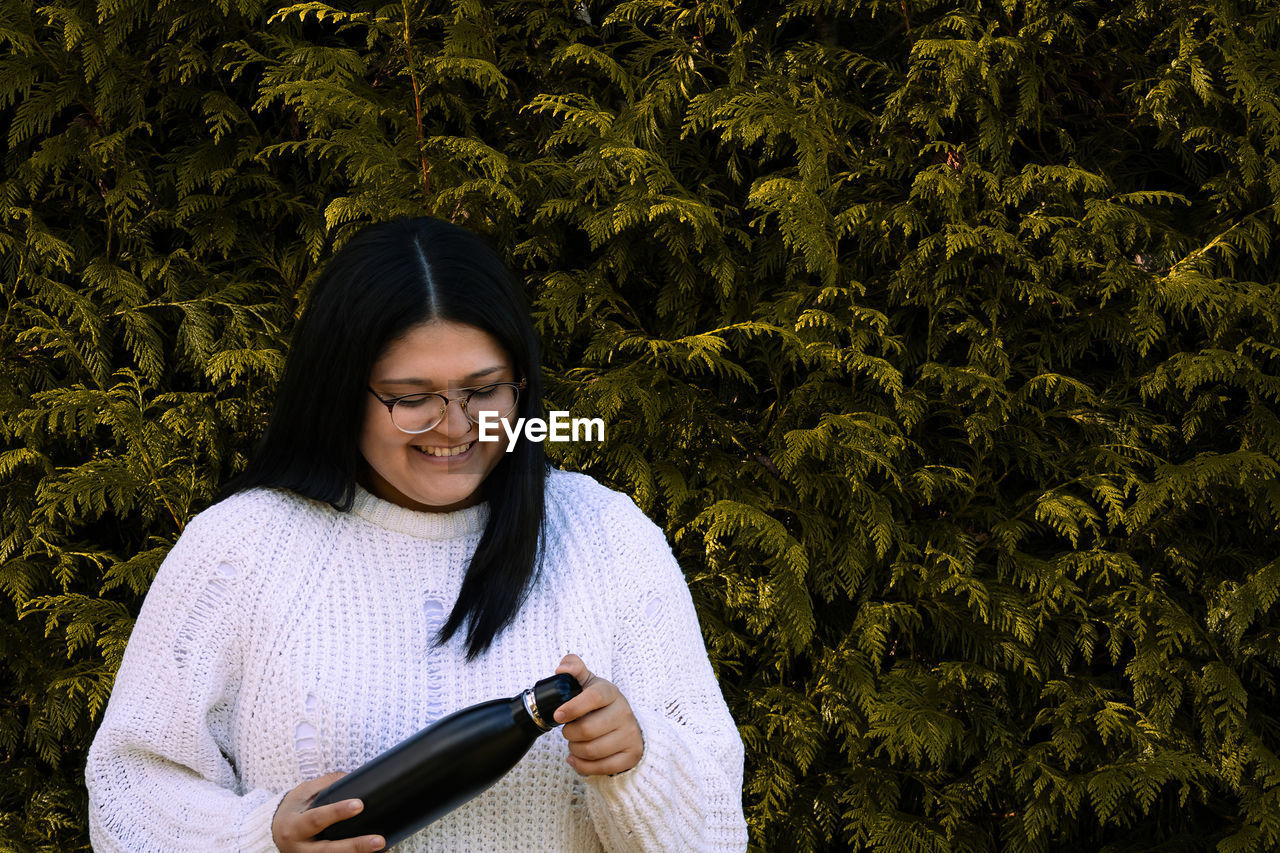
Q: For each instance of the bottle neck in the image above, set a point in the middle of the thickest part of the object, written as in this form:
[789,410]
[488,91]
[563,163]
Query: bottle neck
[534,707]
[520,712]
[530,702]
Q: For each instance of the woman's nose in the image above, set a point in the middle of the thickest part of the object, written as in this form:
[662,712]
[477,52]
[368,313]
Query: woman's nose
[455,421]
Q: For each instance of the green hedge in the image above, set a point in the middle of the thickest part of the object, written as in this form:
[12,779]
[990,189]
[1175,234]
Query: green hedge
[942,338]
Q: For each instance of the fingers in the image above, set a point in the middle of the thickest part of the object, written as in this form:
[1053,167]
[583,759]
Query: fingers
[596,692]
[573,665]
[603,735]
[296,823]
[307,790]
[602,731]
[585,703]
[363,844]
[596,723]
[313,820]
[610,766]
[613,753]
[602,747]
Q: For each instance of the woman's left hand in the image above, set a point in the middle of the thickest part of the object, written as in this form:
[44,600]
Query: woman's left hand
[604,737]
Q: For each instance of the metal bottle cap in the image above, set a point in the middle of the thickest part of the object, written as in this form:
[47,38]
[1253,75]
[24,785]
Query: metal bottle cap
[542,700]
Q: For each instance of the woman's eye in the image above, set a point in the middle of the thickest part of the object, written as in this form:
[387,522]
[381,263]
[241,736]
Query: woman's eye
[412,402]
[484,393]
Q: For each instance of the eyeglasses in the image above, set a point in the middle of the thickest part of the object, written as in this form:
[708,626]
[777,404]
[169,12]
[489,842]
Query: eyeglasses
[418,413]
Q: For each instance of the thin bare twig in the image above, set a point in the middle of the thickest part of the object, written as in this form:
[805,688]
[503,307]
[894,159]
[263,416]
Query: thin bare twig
[417,105]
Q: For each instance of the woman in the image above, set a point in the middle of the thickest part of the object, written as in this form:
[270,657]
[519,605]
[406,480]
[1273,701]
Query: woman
[377,567]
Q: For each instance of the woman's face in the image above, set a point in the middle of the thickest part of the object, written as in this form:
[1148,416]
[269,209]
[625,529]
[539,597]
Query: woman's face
[436,356]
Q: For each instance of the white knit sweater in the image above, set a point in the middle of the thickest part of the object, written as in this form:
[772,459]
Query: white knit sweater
[282,640]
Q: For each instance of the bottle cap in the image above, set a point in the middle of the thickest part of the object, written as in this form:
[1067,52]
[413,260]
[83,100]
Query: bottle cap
[550,693]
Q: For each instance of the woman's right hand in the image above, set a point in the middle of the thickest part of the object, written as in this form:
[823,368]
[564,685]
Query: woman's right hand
[295,825]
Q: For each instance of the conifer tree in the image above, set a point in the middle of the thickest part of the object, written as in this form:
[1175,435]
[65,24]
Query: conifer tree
[943,340]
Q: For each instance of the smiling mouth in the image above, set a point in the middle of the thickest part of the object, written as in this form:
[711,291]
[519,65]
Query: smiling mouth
[447,451]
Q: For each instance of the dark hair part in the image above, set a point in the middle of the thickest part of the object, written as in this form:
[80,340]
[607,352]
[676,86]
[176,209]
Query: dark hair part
[387,279]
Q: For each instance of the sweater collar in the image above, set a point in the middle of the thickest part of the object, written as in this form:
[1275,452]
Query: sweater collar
[423,525]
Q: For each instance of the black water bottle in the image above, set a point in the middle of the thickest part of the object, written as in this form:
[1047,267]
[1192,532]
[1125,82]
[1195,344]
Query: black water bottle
[446,764]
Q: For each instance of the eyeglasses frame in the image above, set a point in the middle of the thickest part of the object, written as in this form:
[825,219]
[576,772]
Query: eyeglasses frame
[390,403]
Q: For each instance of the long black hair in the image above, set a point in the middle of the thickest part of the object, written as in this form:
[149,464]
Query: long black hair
[387,279]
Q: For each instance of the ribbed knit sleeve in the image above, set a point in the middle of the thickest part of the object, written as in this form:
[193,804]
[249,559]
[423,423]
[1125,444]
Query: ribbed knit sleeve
[686,792]
[158,774]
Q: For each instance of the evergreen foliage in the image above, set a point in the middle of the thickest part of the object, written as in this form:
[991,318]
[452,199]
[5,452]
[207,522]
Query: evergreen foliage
[942,338]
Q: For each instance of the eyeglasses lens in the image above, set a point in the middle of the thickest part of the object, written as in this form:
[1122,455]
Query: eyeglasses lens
[414,415]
